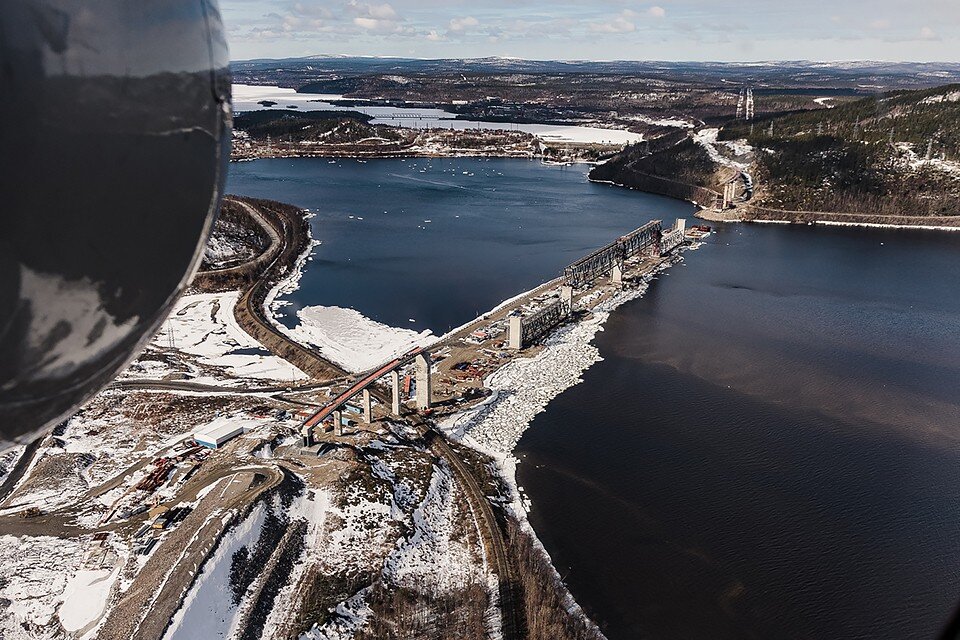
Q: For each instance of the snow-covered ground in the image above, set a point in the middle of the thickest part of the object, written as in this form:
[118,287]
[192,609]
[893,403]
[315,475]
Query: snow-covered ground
[38,570]
[916,163]
[950,96]
[434,554]
[431,554]
[736,154]
[662,122]
[203,326]
[210,609]
[352,340]
[85,598]
[248,98]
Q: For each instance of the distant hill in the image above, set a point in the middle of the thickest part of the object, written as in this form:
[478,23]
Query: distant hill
[890,153]
[896,154]
[861,76]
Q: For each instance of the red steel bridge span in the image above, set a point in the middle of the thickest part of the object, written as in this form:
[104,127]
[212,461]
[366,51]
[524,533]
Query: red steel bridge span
[362,386]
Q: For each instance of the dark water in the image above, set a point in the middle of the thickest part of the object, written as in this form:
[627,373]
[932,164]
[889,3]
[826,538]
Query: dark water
[770,447]
[497,228]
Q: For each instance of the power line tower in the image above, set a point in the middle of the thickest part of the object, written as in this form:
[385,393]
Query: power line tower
[171,338]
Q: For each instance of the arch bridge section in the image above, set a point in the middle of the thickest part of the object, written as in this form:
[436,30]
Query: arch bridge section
[334,408]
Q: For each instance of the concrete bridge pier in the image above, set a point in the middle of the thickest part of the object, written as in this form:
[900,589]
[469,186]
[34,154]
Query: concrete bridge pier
[566,297]
[307,434]
[338,422]
[424,391]
[616,274]
[515,332]
[365,405]
[395,388]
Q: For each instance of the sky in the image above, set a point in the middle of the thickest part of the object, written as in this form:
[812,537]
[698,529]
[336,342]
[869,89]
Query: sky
[746,30]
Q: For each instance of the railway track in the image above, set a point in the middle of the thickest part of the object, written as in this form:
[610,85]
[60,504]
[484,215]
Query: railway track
[511,606]
[249,310]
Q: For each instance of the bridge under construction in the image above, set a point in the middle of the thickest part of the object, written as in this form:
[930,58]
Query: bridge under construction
[522,329]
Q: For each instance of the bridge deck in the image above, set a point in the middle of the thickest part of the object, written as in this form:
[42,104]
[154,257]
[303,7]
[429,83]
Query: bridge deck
[359,386]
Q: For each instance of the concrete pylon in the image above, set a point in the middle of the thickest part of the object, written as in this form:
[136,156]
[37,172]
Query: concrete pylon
[424,390]
[566,297]
[729,193]
[338,422]
[307,434]
[395,388]
[365,405]
[515,332]
[616,274]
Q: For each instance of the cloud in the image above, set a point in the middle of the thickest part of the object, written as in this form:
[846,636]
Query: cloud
[462,24]
[657,12]
[880,24]
[622,23]
[377,18]
[435,36]
[927,33]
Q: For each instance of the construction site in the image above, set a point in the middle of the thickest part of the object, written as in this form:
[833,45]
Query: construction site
[272,494]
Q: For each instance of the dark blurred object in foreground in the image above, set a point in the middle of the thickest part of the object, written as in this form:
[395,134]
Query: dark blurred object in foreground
[114,139]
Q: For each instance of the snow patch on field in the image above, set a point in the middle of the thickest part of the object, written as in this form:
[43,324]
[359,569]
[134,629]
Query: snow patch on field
[38,569]
[85,598]
[203,325]
[352,340]
[735,154]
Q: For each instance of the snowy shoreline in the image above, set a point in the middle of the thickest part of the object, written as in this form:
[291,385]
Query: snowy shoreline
[522,389]
[343,335]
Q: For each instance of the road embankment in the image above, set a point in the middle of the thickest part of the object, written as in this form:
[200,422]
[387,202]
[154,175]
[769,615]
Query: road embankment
[289,234]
